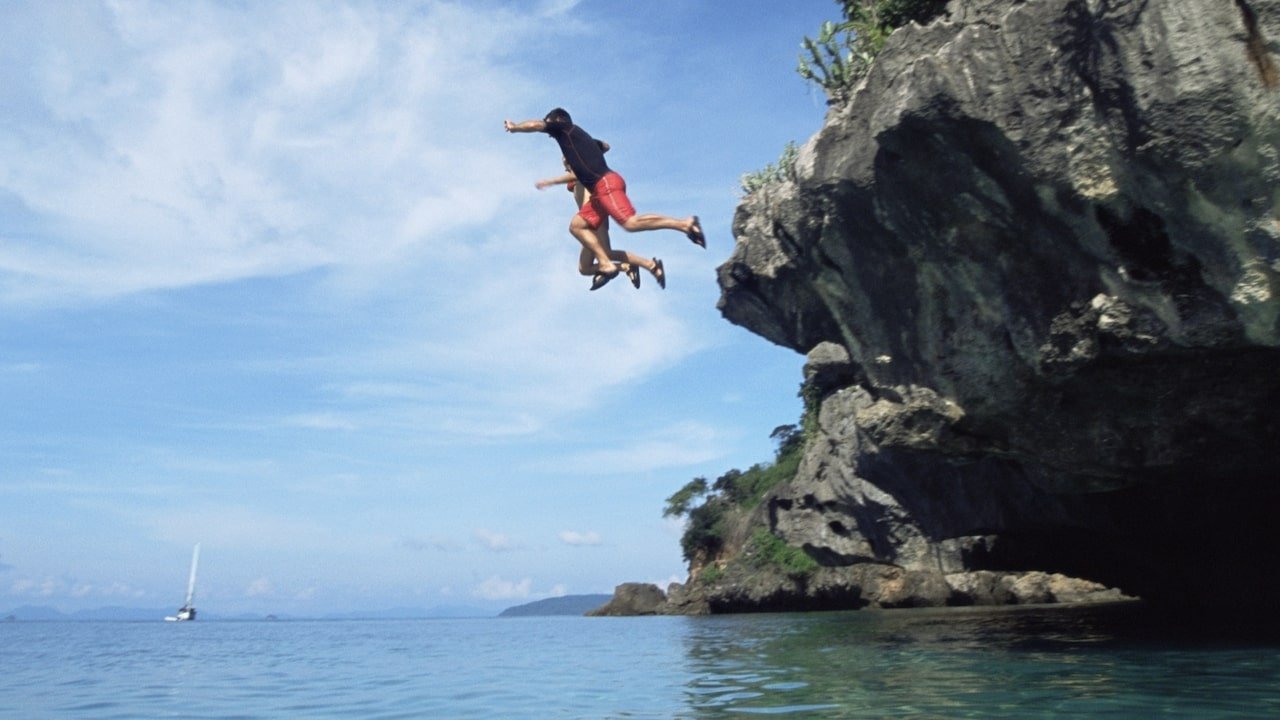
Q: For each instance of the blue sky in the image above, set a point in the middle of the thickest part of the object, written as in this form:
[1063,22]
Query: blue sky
[273,279]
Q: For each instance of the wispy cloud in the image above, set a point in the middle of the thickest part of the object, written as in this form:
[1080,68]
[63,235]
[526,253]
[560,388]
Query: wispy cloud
[119,589]
[66,587]
[37,588]
[164,146]
[496,542]
[673,446]
[670,579]
[260,587]
[573,537]
[160,145]
[495,588]
[274,279]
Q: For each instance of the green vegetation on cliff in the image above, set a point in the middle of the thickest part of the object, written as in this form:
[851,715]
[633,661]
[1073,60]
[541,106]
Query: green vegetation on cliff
[784,169]
[839,57]
[842,54]
[709,506]
[734,493]
[769,550]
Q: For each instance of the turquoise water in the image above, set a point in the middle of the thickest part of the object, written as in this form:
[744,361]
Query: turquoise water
[1011,663]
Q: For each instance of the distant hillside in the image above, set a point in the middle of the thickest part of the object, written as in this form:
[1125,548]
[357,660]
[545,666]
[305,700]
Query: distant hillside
[565,605]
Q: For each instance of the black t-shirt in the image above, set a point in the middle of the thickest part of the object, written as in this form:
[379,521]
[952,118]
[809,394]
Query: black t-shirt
[582,152]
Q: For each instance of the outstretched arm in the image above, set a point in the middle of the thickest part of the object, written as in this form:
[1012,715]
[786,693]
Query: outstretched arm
[527,126]
[561,180]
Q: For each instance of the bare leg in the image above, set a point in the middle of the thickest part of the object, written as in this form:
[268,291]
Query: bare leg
[651,221]
[591,244]
[587,260]
[627,256]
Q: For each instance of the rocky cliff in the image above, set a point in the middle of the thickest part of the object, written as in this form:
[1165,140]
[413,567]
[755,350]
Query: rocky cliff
[1035,260]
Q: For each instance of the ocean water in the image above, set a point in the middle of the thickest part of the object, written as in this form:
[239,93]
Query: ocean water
[1005,663]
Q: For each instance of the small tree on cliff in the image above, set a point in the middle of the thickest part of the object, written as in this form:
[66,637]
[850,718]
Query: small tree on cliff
[703,534]
[708,505]
[789,438]
[680,502]
[842,53]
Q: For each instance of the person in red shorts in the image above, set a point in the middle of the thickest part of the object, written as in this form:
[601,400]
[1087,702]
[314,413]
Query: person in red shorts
[587,264]
[608,192]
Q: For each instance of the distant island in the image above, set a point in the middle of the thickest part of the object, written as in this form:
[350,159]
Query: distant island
[564,605]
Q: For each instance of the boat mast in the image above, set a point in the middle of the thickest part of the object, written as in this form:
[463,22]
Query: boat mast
[191,584]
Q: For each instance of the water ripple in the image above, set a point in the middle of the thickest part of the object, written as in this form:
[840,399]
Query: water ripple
[954,664]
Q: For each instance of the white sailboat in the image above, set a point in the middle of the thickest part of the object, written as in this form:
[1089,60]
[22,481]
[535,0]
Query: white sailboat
[188,610]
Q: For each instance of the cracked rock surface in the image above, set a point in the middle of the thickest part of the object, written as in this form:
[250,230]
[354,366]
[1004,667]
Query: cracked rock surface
[1034,261]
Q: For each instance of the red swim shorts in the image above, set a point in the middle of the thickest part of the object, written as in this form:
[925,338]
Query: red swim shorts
[608,197]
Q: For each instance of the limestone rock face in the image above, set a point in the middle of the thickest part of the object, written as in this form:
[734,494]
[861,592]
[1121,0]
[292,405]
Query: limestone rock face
[1036,258]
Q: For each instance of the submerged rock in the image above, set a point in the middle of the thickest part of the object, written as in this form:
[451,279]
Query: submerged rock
[1035,258]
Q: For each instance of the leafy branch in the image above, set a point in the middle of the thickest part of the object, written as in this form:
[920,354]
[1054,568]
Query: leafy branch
[842,53]
[784,169]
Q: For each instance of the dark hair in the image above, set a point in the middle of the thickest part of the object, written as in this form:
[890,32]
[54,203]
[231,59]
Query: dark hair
[558,119]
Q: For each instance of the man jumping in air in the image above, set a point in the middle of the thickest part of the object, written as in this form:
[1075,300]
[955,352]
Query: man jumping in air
[608,192]
[630,262]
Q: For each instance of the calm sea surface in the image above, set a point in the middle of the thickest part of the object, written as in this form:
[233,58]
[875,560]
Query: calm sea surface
[1009,663]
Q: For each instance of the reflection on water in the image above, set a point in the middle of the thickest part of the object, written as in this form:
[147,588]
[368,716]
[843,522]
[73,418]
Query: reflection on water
[1112,661]
[1115,662]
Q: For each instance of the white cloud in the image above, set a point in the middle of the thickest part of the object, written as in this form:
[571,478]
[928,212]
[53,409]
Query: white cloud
[664,584]
[159,145]
[673,446]
[38,588]
[119,589]
[259,588]
[496,542]
[495,588]
[51,587]
[572,537]
[162,146]
[558,7]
